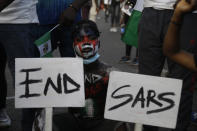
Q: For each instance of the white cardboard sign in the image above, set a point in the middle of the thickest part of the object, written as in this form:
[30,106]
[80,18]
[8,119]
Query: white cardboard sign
[143,99]
[49,82]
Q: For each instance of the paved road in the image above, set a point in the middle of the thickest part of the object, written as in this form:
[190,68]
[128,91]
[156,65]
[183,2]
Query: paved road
[112,49]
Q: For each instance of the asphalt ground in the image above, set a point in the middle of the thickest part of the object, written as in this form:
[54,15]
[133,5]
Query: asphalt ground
[112,49]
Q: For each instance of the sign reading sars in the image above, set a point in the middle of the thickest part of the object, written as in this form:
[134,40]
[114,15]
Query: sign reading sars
[143,99]
[49,82]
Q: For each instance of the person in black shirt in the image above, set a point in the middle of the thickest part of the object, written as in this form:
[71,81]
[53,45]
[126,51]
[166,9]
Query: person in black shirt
[173,49]
[171,46]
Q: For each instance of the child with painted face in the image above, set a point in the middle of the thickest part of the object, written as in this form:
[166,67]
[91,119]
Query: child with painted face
[91,117]
[86,41]
[172,48]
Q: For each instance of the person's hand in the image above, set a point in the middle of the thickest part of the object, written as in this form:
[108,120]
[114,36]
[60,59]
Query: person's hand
[68,16]
[185,6]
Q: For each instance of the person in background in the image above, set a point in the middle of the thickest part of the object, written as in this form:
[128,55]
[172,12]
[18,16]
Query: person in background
[107,4]
[123,23]
[171,46]
[18,31]
[94,10]
[153,26]
[115,15]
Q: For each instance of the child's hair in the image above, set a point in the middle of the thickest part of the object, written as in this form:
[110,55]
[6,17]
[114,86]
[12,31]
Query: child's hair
[85,24]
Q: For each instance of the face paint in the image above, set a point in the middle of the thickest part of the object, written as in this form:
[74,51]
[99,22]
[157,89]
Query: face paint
[86,46]
[86,41]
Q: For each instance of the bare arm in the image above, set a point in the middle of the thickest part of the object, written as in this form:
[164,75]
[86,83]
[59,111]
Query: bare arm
[79,3]
[4,4]
[68,16]
[171,46]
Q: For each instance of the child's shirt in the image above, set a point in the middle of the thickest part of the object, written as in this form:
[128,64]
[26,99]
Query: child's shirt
[96,83]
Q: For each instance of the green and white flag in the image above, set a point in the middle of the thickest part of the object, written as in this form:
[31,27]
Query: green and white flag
[44,44]
[130,37]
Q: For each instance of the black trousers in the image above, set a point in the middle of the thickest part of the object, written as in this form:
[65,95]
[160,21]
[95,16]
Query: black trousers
[3,84]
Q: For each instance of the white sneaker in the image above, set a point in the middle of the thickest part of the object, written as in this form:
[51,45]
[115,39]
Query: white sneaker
[4,118]
[98,17]
[111,29]
[115,29]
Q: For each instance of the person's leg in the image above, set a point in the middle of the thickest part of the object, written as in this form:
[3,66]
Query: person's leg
[4,118]
[128,50]
[18,41]
[93,12]
[107,12]
[126,58]
[3,84]
[151,58]
[135,60]
[112,8]
[137,53]
[117,14]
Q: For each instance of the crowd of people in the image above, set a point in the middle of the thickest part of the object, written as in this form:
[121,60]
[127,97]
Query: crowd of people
[163,35]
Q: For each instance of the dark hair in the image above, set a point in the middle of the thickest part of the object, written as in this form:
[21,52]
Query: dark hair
[83,24]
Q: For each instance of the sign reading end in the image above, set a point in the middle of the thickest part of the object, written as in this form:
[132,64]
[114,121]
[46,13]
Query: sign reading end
[49,82]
